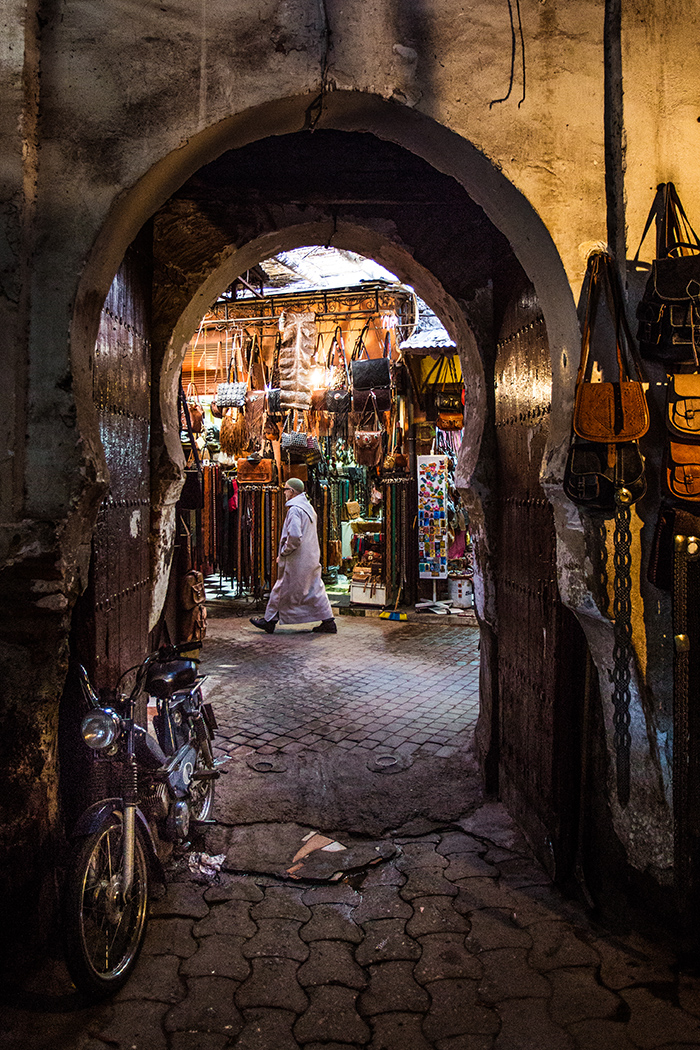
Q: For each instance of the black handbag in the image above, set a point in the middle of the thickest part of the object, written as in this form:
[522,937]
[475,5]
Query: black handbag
[669,311]
[374,373]
[595,472]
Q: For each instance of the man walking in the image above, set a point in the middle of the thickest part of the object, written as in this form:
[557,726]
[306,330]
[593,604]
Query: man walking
[299,595]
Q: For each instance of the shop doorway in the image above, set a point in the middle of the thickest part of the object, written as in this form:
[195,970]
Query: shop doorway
[378,411]
[356,191]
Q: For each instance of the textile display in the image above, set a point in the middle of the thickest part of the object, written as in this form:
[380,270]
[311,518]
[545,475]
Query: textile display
[297,347]
[432,517]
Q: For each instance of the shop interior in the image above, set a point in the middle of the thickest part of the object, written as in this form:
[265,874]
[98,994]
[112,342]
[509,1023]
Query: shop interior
[321,365]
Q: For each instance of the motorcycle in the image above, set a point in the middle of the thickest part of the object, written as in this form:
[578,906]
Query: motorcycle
[165,796]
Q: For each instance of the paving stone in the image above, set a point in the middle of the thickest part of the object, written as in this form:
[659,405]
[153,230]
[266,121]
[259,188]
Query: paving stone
[493,823]
[331,1046]
[233,889]
[656,1022]
[398,1031]
[182,899]
[336,893]
[272,983]
[557,944]
[467,866]
[466,1042]
[507,975]
[526,1025]
[267,1030]
[601,1035]
[435,915]
[331,922]
[382,903]
[626,962]
[427,882]
[386,940]
[392,988]
[332,1016]
[455,1010]
[495,928]
[383,875]
[420,855]
[577,996]
[276,937]
[522,871]
[135,1024]
[170,937]
[445,955]
[281,902]
[218,955]
[331,962]
[689,994]
[483,892]
[154,977]
[232,919]
[532,904]
[208,1007]
[197,1041]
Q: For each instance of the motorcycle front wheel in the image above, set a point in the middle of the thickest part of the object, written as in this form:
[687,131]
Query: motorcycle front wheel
[104,930]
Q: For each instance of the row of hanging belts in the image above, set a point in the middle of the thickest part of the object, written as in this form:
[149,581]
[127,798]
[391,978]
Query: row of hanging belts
[398,532]
[257,538]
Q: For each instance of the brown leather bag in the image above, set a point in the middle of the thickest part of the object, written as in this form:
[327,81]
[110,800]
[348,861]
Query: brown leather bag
[683,470]
[609,412]
[683,406]
[254,471]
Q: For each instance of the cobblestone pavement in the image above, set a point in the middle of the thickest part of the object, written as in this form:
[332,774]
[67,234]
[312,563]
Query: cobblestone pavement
[458,941]
[376,684]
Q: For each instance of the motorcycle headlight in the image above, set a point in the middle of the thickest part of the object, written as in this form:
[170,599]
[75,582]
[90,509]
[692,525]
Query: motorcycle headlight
[100,728]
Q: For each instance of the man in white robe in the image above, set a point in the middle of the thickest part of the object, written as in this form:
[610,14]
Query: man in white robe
[299,595]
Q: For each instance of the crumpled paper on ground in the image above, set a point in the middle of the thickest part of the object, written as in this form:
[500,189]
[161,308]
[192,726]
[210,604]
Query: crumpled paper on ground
[206,866]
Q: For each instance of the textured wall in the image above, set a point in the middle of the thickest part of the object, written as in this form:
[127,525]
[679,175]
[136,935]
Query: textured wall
[109,108]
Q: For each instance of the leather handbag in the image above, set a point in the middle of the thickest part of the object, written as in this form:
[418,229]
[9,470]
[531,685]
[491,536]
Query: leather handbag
[617,411]
[440,390]
[253,470]
[594,472]
[374,373]
[683,470]
[669,311]
[368,447]
[231,394]
[683,406]
[450,420]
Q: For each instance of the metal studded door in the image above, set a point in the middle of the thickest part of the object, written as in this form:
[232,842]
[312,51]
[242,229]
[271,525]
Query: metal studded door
[540,645]
[121,389]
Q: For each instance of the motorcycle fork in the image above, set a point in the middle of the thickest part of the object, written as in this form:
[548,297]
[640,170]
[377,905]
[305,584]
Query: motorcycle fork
[130,793]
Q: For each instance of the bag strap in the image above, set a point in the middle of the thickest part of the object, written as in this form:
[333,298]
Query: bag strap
[673,229]
[360,344]
[186,412]
[602,273]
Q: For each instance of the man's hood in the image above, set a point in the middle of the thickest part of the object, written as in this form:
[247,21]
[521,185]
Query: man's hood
[302,502]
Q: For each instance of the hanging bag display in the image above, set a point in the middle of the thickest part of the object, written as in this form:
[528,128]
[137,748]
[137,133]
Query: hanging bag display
[669,312]
[231,394]
[617,411]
